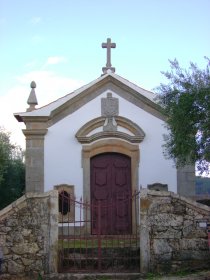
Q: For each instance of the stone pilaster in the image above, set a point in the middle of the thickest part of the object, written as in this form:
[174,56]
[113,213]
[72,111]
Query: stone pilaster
[144,233]
[34,159]
[186,181]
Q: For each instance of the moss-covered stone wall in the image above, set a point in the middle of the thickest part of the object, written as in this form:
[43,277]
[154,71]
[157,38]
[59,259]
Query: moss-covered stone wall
[173,233]
[28,236]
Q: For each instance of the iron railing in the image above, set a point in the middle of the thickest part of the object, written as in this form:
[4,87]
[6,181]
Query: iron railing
[83,249]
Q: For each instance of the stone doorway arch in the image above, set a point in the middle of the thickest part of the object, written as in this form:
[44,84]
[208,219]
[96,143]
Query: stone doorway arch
[110,146]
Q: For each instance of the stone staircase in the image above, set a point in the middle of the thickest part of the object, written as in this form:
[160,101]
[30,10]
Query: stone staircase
[108,260]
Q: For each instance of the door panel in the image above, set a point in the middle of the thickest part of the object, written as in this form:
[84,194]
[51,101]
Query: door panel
[111,194]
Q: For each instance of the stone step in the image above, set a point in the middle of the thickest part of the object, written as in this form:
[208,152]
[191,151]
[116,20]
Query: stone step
[93,276]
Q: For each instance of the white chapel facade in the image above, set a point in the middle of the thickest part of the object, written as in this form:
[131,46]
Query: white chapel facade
[72,141]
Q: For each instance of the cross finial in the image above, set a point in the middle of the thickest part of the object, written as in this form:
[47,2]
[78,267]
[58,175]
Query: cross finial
[108,45]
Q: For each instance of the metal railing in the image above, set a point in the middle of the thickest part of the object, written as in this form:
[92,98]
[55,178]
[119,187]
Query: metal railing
[83,246]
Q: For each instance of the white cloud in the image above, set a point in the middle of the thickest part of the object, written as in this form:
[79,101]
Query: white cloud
[52,60]
[31,63]
[9,103]
[55,60]
[49,87]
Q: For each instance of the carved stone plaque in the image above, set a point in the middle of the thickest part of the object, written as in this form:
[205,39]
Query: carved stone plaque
[109,106]
[110,109]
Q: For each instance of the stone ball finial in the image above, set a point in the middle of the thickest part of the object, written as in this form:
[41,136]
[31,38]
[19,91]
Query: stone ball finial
[33,84]
[32,100]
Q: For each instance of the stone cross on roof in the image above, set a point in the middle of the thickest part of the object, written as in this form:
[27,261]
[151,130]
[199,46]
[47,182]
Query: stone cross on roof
[108,45]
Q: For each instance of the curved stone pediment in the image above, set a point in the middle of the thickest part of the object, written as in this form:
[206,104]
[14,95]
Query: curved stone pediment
[89,133]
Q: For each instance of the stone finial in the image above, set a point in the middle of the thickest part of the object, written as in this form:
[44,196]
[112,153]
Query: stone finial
[32,100]
[108,45]
[33,84]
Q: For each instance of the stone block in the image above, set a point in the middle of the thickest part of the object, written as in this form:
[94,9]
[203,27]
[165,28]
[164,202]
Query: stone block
[169,220]
[164,267]
[17,238]
[161,246]
[161,207]
[12,222]
[188,231]
[15,257]
[158,194]
[25,248]
[158,187]
[15,268]
[144,204]
[166,232]
[163,257]
[4,229]
[191,255]
[6,250]
[194,244]
[26,232]
[27,261]
[179,209]
[200,233]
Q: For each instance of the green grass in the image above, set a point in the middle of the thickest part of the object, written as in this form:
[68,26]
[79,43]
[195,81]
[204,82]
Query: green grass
[94,243]
[179,273]
[152,276]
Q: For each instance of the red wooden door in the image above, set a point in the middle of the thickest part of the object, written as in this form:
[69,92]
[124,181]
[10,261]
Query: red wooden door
[111,194]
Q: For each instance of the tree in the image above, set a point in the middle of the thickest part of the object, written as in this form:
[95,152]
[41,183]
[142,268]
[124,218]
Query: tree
[186,102]
[12,170]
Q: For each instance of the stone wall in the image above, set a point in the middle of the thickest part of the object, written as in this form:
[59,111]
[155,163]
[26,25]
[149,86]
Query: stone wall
[173,233]
[28,236]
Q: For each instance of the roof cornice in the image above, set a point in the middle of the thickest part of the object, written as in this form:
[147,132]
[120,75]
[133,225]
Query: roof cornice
[107,83]
[110,82]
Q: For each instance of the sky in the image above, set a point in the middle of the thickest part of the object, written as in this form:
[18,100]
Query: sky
[58,45]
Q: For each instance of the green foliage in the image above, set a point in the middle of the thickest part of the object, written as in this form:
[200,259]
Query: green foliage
[186,102]
[39,277]
[5,150]
[12,170]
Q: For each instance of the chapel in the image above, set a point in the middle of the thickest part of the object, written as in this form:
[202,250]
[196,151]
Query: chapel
[101,141]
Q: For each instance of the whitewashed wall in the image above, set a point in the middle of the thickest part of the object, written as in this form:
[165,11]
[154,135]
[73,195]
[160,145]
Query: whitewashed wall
[63,151]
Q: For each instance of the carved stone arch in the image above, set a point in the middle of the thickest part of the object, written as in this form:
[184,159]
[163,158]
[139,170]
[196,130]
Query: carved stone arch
[135,135]
[107,146]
